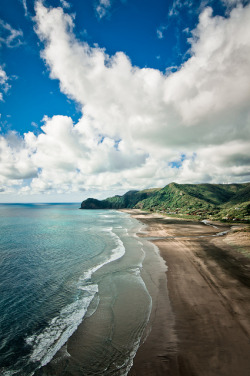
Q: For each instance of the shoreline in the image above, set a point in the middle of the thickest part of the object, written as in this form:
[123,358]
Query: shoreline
[208,286]
[200,321]
[99,324]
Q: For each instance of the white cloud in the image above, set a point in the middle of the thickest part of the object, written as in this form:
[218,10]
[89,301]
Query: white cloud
[10,36]
[15,160]
[4,86]
[102,8]
[160,31]
[65,157]
[232,3]
[24,2]
[65,4]
[139,123]
[159,34]
[126,101]
[178,5]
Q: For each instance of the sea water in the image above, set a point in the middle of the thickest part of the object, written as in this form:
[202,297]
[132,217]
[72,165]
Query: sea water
[73,299]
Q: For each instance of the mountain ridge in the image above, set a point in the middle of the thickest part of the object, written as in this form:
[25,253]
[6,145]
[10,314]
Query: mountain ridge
[220,201]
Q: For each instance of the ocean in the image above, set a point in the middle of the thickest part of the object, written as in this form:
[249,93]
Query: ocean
[77,289]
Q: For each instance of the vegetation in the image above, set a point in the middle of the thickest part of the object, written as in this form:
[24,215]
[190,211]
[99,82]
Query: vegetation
[128,200]
[226,202]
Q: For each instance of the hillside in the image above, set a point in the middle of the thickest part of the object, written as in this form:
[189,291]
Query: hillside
[220,201]
[128,200]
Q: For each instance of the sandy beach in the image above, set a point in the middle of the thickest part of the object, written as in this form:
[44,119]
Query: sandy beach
[206,329]
[200,319]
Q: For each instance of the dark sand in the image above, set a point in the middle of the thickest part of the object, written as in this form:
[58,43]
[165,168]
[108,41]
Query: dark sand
[207,330]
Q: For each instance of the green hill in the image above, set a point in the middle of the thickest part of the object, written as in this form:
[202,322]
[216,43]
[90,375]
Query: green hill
[241,196]
[220,201]
[128,200]
[213,193]
[239,205]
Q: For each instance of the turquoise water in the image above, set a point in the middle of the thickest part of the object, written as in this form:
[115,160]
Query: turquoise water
[61,266]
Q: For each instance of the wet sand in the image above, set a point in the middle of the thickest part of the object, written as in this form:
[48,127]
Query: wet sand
[206,331]
[118,317]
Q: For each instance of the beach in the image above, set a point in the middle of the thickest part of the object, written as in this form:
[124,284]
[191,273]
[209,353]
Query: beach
[122,288]
[165,296]
[202,323]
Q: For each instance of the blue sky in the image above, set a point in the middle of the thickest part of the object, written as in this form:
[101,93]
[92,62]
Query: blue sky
[101,96]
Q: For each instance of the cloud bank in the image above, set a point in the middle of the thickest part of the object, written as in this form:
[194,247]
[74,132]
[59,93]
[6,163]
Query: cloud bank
[140,127]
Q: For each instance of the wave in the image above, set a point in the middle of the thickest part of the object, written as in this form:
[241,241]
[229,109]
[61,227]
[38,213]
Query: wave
[46,344]
[8,372]
[116,254]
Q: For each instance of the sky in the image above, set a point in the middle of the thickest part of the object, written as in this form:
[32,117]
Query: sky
[98,97]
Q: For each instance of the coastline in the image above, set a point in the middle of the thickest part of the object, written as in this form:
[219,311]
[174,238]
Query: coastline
[208,285]
[199,325]
[108,322]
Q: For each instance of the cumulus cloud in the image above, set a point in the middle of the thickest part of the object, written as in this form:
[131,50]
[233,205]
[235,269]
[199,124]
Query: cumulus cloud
[214,82]
[126,101]
[65,157]
[140,127]
[15,162]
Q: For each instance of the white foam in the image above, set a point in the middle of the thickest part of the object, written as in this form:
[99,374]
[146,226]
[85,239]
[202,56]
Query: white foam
[89,288]
[46,344]
[129,361]
[12,372]
[107,229]
[116,254]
